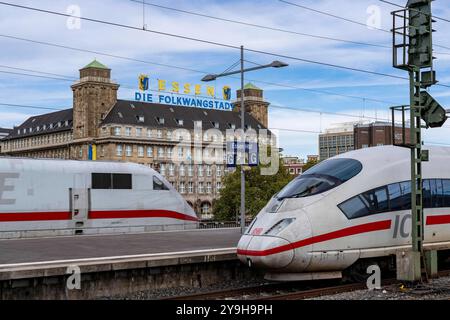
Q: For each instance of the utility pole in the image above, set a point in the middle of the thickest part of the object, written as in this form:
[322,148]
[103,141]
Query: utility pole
[243,141]
[243,148]
[413,52]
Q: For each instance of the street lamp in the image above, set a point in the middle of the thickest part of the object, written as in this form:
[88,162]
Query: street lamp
[212,77]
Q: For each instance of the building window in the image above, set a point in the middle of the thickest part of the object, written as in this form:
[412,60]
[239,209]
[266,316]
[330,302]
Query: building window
[198,124]
[119,150]
[140,151]
[128,131]
[170,152]
[149,152]
[180,122]
[180,152]
[208,187]
[201,187]
[171,169]
[218,186]
[159,134]
[149,133]
[102,151]
[162,169]
[169,135]
[208,171]
[81,152]
[200,170]
[160,152]
[138,132]
[218,171]
[190,187]
[128,151]
[182,188]
[365,146]
[206,208]
[182,170]
[190,170]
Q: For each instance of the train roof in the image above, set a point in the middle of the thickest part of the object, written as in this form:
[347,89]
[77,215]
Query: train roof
[392,154]
[73,165]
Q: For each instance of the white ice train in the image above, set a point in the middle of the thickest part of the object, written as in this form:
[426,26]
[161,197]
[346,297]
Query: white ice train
[353,206]
[61,197]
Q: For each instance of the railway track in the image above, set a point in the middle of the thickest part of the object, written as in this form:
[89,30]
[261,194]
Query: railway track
[288,291]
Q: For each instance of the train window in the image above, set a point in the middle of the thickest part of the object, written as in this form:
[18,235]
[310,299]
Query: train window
[436,194]
[354,208]
[101,181]
[158,184]
[341,169]
[111,181]
[377,200]
[121,181]
[400,196]
[446,193]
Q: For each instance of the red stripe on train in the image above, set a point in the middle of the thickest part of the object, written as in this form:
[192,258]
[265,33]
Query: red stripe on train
[433,220]
[363,228]
[121,214]
[53,216]
[34,216]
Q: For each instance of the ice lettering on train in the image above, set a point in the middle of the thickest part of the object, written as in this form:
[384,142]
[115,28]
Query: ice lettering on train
[400,226]
[7,186]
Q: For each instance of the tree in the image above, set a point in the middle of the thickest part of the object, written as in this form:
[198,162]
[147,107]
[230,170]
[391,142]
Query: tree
[258,191]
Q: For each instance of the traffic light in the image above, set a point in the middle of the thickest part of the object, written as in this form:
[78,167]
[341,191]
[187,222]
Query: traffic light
[420,33]
[431,112]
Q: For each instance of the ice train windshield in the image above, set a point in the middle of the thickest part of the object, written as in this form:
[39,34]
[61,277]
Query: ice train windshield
[320,178]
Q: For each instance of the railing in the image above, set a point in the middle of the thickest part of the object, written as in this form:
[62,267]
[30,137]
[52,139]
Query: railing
[117,229]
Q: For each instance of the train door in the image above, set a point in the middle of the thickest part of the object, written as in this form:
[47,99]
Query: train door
[80,202]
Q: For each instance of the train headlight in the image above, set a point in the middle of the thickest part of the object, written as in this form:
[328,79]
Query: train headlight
[279,226]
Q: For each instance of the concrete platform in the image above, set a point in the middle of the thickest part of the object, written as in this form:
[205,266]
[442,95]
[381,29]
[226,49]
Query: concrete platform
[19,251]
[118,264]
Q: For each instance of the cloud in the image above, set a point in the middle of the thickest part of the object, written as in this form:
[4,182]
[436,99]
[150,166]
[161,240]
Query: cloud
[210,58]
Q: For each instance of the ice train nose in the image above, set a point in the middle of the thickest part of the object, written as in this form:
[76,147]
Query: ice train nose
[265,252]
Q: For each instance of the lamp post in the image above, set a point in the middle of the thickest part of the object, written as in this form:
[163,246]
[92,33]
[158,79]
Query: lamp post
[212,77]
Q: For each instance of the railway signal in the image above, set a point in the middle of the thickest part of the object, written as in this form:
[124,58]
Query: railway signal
[413,51]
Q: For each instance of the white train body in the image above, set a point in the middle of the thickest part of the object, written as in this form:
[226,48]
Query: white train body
[368,215]
[61,197]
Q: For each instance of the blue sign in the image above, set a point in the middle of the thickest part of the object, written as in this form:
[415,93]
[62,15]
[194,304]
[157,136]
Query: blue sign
[183,101]
[236,150]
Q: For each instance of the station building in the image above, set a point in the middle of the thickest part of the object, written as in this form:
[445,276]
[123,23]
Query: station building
[102,127]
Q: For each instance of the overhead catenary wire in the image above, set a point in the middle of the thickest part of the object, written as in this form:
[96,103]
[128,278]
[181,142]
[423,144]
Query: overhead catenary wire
[261,26]
[71,79]
[400,6]
[281,85]
[296,109]
[209,42]
[346,19]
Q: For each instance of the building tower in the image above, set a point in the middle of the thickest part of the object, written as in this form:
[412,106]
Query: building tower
[93,96]
[254,103]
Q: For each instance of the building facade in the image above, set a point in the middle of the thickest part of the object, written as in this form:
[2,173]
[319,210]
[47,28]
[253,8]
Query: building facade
[336,140]
[186,145]
[378,134]
[359,135]
[293,165]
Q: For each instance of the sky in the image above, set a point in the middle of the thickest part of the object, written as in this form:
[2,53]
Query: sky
[318,88]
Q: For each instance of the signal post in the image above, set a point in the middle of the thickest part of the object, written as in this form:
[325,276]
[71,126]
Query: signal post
[413,52]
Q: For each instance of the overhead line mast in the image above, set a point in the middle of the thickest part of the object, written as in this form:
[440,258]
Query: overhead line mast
[412,34]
